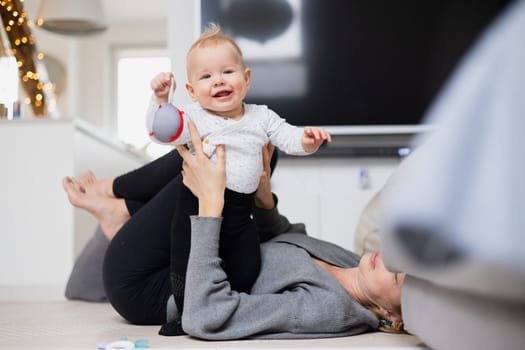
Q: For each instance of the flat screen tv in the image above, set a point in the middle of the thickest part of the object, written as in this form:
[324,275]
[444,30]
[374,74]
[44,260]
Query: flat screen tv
[351,64]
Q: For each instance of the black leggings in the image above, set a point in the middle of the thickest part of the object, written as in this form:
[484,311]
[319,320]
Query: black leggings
[136,268]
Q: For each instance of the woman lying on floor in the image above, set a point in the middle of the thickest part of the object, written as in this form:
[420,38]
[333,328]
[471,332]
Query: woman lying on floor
[307,288]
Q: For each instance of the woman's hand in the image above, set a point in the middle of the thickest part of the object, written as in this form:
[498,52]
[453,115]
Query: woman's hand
[263,196]
[205,179]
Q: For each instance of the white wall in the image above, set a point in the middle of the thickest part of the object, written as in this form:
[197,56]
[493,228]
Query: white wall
[94,75]
[88,60]
[183,28]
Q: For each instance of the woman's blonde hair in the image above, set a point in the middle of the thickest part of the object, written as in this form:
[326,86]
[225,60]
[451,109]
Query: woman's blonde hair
[387,325]
[213,35]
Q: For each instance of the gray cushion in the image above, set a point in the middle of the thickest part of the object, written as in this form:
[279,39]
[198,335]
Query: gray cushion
[85,281]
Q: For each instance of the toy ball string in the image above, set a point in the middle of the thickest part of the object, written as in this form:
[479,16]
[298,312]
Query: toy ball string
[172,89]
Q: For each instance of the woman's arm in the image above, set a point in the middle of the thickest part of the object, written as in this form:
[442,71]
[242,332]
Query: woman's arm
[264,198]
[269,222]
[266,217]
[205,179]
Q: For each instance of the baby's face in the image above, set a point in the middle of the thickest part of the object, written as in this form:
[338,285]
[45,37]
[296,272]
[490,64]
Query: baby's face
[218,80]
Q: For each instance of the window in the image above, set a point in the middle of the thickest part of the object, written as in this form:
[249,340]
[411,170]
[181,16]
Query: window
[134,69]
[8,85]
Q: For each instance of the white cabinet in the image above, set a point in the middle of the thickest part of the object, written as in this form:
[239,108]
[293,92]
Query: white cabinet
[36,220]
[326,193]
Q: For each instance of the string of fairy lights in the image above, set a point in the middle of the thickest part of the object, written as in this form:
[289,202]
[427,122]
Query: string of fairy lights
[31,69]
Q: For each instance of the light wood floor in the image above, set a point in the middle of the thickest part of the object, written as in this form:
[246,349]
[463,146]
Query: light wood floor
[76,325]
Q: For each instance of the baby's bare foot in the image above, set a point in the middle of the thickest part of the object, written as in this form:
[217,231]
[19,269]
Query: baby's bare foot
[111,213]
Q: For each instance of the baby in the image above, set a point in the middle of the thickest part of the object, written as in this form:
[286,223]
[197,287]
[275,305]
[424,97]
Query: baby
[218,81]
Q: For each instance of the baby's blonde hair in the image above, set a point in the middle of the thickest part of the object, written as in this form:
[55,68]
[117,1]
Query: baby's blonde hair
[213,35]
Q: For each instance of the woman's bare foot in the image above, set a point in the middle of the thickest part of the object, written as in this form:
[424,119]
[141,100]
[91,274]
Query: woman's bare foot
[91,185]
[111,213]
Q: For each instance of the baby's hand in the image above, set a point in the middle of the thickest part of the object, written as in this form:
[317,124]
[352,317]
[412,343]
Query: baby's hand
[313,138]
[160,84]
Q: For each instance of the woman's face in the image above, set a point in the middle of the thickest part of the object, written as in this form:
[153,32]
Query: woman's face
[382,287]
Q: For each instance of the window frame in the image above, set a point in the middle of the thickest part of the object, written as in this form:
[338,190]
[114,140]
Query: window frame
[119,52]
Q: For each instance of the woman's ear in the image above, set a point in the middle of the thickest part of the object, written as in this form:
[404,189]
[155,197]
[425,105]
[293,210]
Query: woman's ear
[390,315]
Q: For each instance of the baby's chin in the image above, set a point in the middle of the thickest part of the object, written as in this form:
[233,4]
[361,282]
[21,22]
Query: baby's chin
[227,112]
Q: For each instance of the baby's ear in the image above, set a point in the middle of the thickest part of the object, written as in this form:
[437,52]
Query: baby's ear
[191,92]
[248,76]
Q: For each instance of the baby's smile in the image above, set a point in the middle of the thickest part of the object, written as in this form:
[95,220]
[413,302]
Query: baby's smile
[222,93]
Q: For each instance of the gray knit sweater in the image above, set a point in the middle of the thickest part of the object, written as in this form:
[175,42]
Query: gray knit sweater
[293,297]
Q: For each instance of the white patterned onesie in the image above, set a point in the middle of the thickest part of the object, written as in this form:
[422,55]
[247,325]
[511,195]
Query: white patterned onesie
[243,139]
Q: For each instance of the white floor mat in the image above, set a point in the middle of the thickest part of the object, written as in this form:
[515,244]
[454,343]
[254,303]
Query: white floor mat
[80,325]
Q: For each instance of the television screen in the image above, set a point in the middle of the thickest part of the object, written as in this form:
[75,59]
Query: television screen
[348,62]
